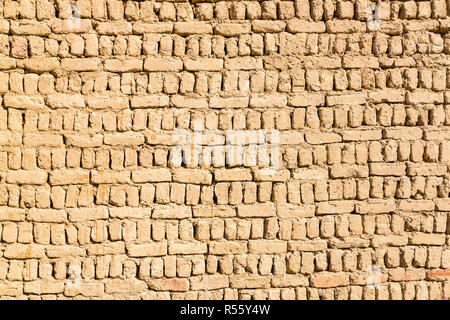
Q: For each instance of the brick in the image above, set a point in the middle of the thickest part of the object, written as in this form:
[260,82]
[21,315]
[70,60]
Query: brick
[249,281]
[30,28]
[232,175]
[256,210]
[400,274]
[243,63]
[151,175]
[65,251]
[376,207]
[24,251]
[107,103]
[213,211]
[164,64]
[158,28]
[440,134]
[426,169]
[290,138]
[147,250]
[423,96]
[361,135]
[114,28]
[322,62]
[203,64]
[194,176]
[40,65]
[287,280]
[47,215]
[129,212]
[175,284]
[308,245]
[109,176]
[264,26]
[335,207]
[81,64]
[26,177]
[184,102]
[11,214]
[44,287]
[329,280]
[188,28]
[65,26]
[120,286]
[392,96]
[106,248]
[306,99]
[349,242]
[11,289]
[268,101]
[24,102]
[391,240]
[227,247]
[322,137]
[129,65]
[360,62]
[231,29]
[442,204]
[209,282]
[310,173]
[419,238]
[295,211]
[10,139]
[7,63]
[297,25]
[61,100]
[267,246]
[437,274]
[346,99]
[226,103]
[416,205]
[124,139]
[271,175]
[421,25]
[172,212]
[69,177]
[87,214]
[385,169]
[150,101]
[187,247]
[345,26]
[84,141]
[348,170]
[403,133]
[4,27]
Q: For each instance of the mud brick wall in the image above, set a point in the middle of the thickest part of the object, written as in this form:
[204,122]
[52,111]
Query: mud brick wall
[224,149]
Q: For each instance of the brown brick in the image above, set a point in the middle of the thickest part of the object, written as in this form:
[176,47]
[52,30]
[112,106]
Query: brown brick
[227,247]
[175,284]
[69,177]
[249,281]
[267,246]
[256,210]
[147,250]
[26,177]
[209,282]
[329,280]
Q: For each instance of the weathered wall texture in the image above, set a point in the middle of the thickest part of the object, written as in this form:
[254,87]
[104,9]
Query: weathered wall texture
[339,191]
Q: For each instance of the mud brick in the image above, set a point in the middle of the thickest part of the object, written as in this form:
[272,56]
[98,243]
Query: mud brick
[121,154]
[256,210]
[26,177]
